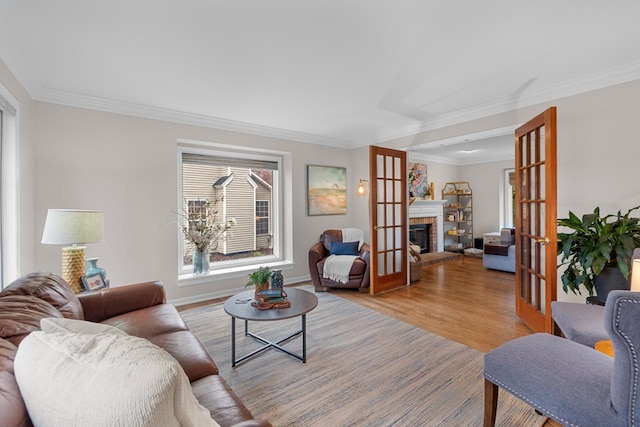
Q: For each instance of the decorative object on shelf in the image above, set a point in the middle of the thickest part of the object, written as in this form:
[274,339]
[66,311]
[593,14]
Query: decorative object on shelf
[260,278]
[93,268]
[458,212]
[203,229]
[277,280]
[200,262]
[598,246]
[326,190]
[93,282]
[418,184]
[76,228]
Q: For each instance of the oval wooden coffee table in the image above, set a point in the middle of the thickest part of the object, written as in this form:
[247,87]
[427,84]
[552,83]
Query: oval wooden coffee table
[239,307]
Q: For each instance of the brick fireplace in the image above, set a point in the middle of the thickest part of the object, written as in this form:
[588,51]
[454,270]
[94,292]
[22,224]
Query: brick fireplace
[432,230]
[429,212]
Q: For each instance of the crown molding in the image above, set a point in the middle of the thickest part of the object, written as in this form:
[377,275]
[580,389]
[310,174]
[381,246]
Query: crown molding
[181,117]
[587,83]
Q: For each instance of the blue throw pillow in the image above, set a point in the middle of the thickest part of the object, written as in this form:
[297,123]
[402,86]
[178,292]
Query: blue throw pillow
[344,248]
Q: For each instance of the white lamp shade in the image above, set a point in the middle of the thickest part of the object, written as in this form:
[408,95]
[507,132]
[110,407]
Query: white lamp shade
[71,226]
[635,275]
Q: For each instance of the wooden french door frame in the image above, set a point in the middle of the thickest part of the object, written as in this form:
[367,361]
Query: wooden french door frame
[536,218]
[388,219]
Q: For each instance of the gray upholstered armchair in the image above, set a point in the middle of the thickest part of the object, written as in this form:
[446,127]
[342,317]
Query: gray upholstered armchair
[570,382]
[502,255]
[320,251]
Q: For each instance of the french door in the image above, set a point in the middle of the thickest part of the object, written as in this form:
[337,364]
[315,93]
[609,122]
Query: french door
[536,217]
[388,207]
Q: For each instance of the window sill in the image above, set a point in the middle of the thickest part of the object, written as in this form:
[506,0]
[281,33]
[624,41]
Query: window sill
[191,279]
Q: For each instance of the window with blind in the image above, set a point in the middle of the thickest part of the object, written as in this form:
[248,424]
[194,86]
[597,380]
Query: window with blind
[239,189]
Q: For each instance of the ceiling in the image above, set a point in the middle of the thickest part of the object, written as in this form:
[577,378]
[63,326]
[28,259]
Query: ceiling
[334,72]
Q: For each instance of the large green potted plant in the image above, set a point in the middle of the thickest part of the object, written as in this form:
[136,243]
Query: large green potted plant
[598,250]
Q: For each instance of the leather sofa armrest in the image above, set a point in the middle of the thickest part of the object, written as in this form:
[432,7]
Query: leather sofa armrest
[365,252]
[316,253]
[110,302]
[365,255]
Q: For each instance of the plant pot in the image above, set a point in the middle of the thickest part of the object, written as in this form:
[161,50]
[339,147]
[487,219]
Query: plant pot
[610,279]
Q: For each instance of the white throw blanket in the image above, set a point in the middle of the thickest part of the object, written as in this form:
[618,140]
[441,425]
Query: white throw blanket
[353,235]
[337,267]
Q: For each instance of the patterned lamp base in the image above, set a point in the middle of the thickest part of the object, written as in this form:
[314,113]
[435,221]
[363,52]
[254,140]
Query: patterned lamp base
[73,266]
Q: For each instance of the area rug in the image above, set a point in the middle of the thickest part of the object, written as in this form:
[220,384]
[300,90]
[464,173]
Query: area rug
[363,369]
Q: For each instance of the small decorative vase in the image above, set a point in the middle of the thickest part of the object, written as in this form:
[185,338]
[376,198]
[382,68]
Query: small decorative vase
[93,269]
[200,262]
[277,281]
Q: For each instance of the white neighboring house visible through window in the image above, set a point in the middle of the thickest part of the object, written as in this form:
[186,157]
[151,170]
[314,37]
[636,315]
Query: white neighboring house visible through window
[9,206]
[240,185]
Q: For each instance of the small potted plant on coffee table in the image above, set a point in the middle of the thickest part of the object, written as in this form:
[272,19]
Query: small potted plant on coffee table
[260,278]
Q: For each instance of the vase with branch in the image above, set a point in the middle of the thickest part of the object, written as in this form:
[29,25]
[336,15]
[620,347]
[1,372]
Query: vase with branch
[202,227]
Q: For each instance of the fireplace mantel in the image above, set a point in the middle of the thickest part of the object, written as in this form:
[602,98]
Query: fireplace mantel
[428,209]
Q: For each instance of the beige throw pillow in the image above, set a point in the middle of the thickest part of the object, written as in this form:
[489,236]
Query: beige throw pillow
[105,380]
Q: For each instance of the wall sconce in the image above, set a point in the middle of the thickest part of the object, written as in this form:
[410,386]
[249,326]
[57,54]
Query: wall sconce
[74,228]
[635,275]
[361,189]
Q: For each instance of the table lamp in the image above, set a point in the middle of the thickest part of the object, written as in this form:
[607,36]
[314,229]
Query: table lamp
[74,228]
[635,275]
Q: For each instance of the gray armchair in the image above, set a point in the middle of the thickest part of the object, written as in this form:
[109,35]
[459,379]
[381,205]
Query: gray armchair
[569,382]
[582,323]
[501,256]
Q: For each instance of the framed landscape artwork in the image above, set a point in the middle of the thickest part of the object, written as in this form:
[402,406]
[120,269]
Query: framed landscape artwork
[326,190]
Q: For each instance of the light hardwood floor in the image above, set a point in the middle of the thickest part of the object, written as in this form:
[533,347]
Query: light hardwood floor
[456,299]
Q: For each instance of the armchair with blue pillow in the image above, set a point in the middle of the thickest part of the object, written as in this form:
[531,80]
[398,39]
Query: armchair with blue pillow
[340,259]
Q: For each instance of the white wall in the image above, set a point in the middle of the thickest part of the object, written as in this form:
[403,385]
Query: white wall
[127,167]
[487,182]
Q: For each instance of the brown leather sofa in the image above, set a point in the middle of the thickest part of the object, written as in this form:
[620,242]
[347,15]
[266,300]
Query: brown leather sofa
[318,253]
[139,310]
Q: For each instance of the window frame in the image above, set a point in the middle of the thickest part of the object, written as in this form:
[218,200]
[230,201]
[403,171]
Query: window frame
[10,188]
[237,268]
